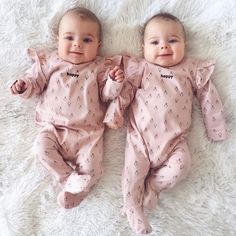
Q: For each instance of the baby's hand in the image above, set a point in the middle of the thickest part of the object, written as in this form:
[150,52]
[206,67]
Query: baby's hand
[18,87]
[117,74]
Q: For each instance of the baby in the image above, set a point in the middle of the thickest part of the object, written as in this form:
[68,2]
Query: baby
[160,88]
[73,84]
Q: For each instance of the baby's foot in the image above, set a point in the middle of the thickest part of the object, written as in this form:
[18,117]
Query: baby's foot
[150,199]
[69,200]
[137,220]
[76,183]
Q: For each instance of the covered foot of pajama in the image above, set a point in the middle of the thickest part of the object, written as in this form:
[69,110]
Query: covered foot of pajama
[76,183]
[138,221]
[74,189]
[69,200]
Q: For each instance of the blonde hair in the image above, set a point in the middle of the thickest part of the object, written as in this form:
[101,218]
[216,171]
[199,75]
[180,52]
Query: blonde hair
[85,14]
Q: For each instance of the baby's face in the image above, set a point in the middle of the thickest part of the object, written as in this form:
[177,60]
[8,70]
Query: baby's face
[164,42]
[78,39]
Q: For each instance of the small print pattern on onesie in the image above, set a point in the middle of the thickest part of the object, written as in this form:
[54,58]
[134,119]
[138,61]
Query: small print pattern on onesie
[157,156]
[71,111]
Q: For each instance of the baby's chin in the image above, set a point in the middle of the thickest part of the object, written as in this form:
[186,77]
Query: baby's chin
[78,61]
[164,63]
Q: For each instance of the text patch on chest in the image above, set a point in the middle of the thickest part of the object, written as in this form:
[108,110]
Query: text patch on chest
[72,74]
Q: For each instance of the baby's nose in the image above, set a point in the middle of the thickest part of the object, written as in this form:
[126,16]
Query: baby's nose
[77,44]
[164,47]
[164,44]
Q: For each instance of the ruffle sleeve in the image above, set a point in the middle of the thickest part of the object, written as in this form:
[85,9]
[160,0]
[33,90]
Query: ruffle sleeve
[37,56]
[210,101]
[204,71]
[36,77]
[133,69]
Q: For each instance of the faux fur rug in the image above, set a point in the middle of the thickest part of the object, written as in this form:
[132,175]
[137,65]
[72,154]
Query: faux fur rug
[203,204]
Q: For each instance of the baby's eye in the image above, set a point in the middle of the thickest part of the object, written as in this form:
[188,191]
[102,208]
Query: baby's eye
[154,42]
[87,40]
[69,38]
[173,41]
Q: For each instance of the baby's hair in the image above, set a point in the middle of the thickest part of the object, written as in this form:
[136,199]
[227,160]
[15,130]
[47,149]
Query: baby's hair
[165,16]
[85,14]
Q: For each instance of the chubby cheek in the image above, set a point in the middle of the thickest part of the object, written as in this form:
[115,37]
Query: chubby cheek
[62,47]
[92,52]
[148,54]
[180,50]
[180,54]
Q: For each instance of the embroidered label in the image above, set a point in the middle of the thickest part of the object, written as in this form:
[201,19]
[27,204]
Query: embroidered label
[167,76]
[72,74]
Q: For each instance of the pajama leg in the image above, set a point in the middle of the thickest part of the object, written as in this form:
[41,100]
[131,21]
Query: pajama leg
[168,175]
[88,172]
[47,151]
[135,171]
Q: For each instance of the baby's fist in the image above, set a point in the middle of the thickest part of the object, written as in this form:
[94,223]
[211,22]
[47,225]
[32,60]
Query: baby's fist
[18,87]
[117,74]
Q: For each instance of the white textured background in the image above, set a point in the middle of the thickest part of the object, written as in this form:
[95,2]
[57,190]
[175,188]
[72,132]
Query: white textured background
[203,204]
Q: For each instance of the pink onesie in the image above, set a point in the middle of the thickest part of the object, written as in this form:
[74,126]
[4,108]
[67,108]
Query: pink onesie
[157,155]
[71,111]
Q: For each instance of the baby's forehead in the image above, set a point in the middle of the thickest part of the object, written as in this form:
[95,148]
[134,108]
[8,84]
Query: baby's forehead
[71,18]
[152,26]
[160,20]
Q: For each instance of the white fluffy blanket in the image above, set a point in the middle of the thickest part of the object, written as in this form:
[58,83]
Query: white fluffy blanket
[203,204]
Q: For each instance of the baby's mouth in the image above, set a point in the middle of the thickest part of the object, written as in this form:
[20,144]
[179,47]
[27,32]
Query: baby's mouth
[165,55]
[76,53]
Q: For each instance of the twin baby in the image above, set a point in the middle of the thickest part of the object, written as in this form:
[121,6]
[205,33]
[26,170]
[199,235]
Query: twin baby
[75,84]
